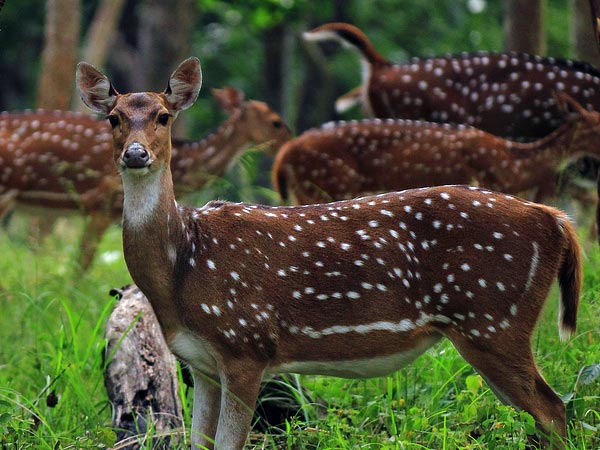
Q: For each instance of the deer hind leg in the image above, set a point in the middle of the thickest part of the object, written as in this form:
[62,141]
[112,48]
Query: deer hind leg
[40,227]
[510,371]
[205,416]
[240,383]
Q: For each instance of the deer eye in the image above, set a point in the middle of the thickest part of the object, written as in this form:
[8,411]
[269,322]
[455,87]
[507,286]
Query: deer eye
[114,120]
[163,119]
[277,123]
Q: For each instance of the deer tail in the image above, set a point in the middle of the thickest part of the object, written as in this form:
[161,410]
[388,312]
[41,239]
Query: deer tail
[570,279]
[349,35]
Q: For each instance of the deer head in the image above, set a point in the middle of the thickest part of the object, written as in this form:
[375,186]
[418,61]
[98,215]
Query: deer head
[141,122]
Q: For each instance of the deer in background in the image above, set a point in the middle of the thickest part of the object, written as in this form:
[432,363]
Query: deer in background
[507,94]
[510,95]
[355,288]
[346,159]
[48,161]
[251,123]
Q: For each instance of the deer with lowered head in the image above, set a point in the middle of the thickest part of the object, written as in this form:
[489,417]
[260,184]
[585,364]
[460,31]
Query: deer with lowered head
[49,163]
[511,95]
[345,159]
[356,288]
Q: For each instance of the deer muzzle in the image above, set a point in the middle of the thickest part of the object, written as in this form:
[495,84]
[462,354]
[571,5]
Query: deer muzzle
[135,156]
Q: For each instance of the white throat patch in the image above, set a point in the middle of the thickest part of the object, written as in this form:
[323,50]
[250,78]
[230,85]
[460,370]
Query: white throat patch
[142,194]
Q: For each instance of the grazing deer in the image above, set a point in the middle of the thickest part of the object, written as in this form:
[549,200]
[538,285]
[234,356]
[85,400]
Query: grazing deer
[506,94]
[251,123]
[48,160]
[345,159]
[354,289]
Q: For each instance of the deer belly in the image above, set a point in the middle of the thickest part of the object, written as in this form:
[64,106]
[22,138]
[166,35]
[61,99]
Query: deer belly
[195,351]
[375,366]
[39,201]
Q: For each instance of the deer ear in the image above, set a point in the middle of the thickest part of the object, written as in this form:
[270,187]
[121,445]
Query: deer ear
[95,89]
[229,98]
[184,85]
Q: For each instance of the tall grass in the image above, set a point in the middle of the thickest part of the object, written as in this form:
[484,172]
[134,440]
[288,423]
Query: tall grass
[51,369]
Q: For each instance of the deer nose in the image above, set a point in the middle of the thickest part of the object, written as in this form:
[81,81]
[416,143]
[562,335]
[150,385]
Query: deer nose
[136,156]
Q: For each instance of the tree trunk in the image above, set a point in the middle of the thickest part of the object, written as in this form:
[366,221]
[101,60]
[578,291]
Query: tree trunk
[524,29]
[164,40]
[318,88]
[141,373]
[595,18]
[100,37]
[59,56]
[584,38]
[273,39]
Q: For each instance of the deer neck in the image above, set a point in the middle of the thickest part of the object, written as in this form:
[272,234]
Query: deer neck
[154,230]
[549,153]
[213,155]
[556,145]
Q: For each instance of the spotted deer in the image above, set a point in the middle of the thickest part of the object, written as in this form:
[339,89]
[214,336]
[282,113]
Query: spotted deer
[48,160]
[355,288]
[251,123]
[506,94]
[341,160]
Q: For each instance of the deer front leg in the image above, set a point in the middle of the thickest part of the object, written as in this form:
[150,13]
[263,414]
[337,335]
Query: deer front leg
[207,406]
[547,189]
[93,231]
[240,384]
[7,201]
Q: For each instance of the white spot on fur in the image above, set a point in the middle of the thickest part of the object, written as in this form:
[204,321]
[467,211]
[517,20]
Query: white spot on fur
[533,265]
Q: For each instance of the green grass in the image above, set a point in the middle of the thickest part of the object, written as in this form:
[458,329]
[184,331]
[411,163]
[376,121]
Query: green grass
[51,380]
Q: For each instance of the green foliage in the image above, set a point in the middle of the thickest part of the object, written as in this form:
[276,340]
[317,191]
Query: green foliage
[21,38]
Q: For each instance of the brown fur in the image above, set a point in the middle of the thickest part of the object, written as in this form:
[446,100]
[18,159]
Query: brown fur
[347,159]
[506,94]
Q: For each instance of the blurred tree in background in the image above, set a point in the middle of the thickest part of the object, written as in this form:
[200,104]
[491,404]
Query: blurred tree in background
[59,56]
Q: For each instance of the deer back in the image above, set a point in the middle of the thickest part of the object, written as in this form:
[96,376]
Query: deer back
[54,158]
[346,159]
[506,94]
[510,94]
[422,259]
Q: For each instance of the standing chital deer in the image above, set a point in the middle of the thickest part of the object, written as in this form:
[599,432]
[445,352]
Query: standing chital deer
[506,94]
[354,289]
[347,159]
[48,160]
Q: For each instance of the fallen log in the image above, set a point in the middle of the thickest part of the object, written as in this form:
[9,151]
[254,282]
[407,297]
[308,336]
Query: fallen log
[141,374]
[142,383]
